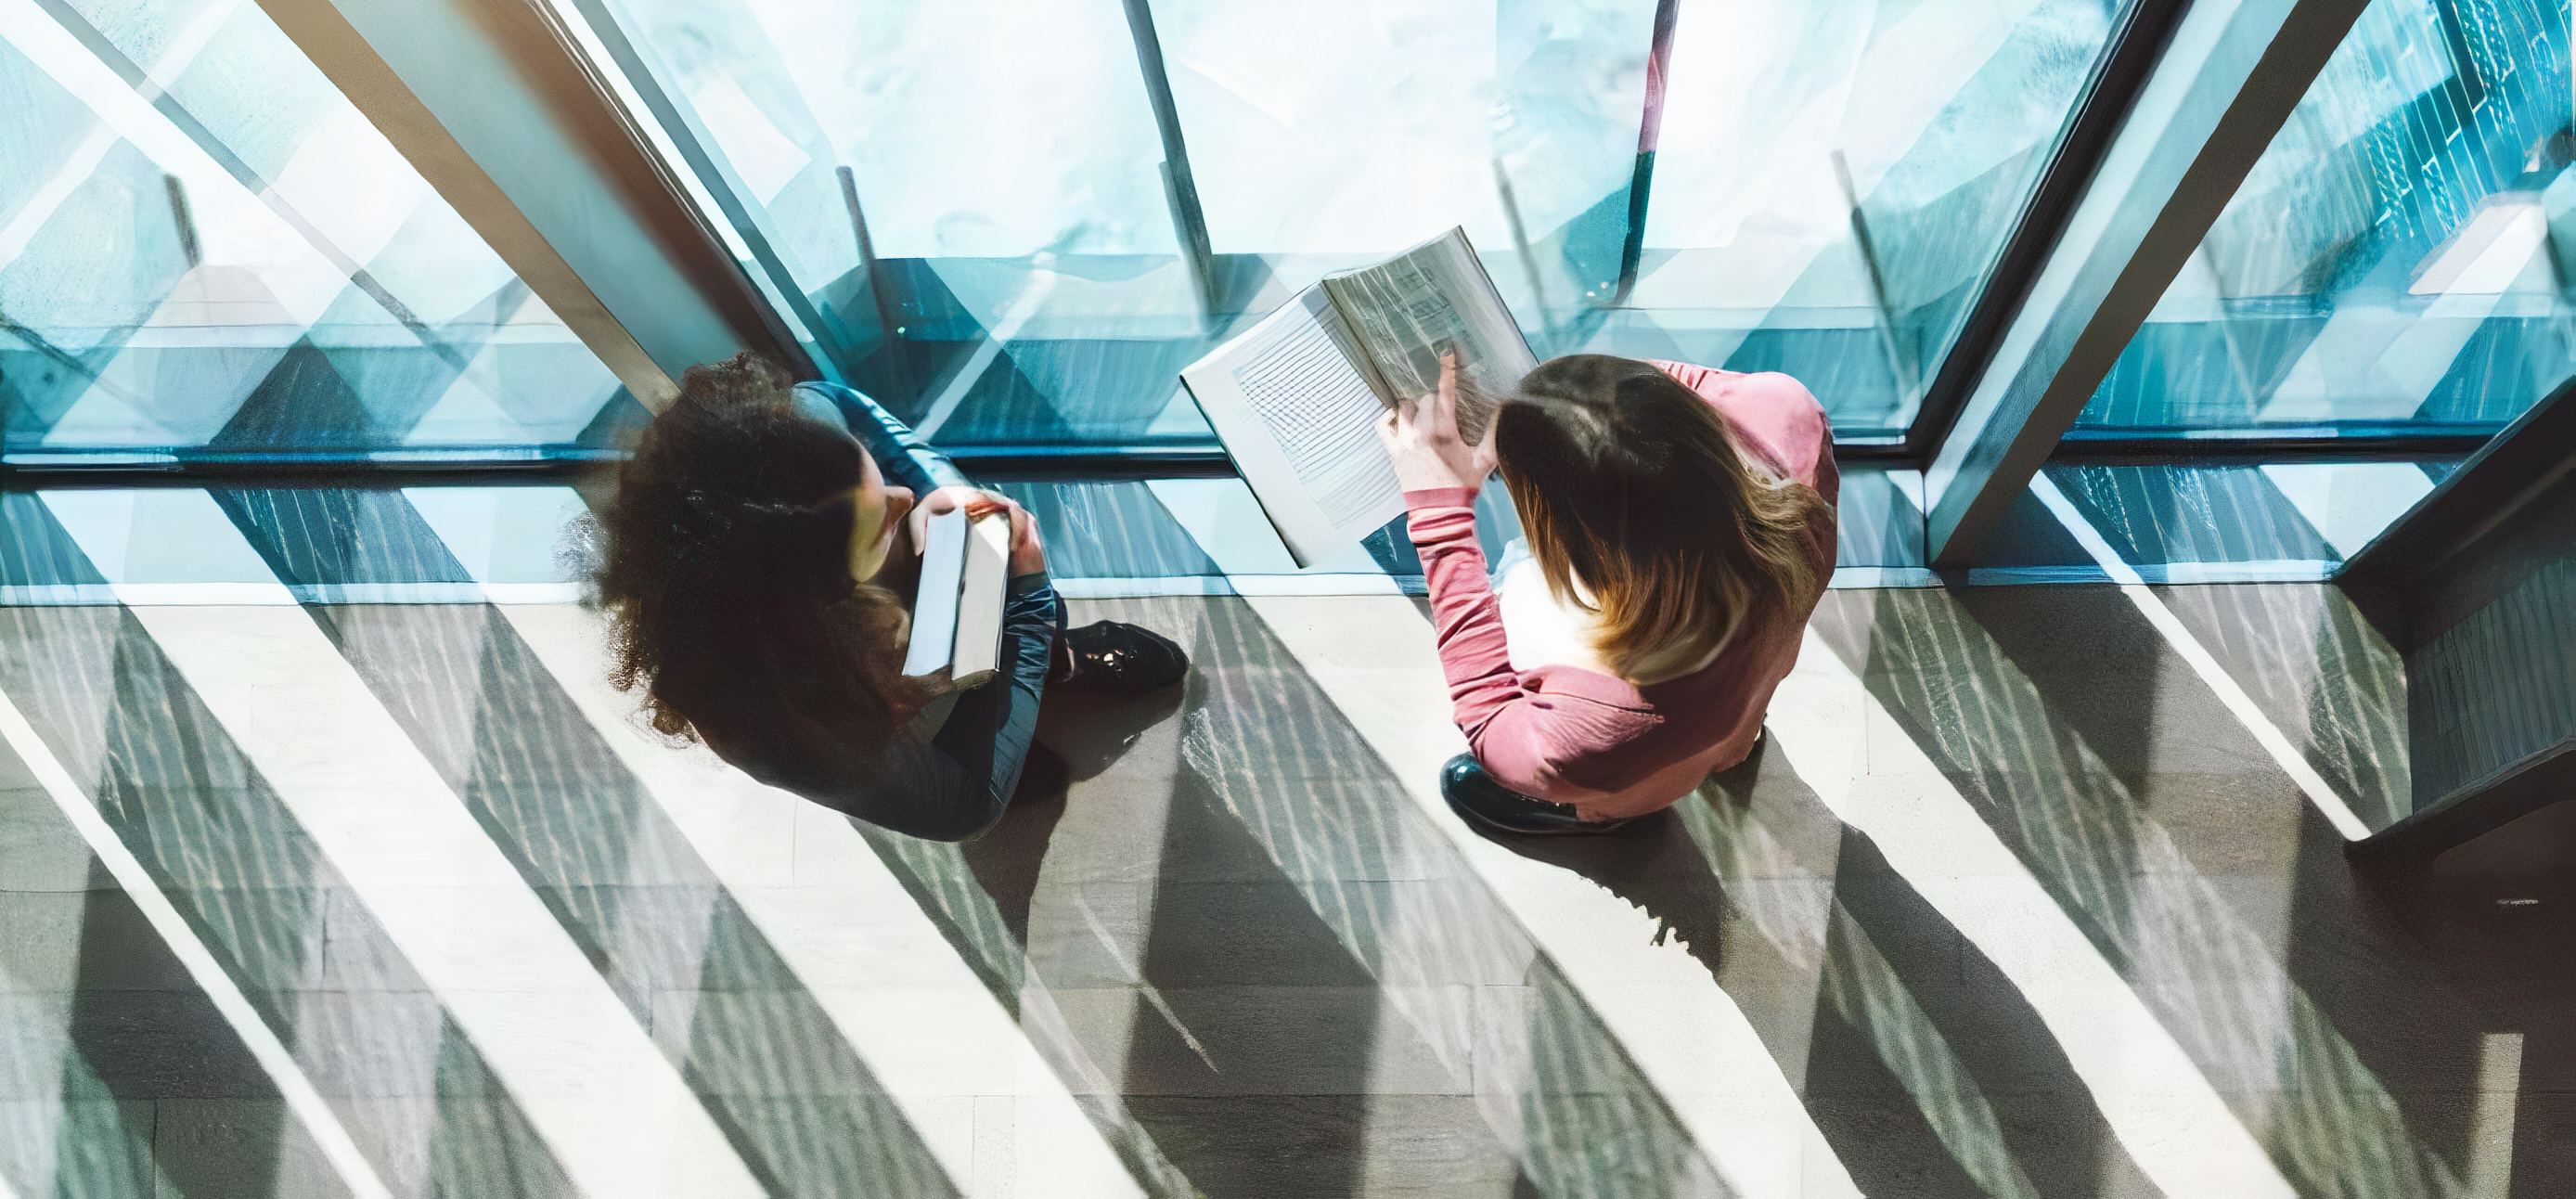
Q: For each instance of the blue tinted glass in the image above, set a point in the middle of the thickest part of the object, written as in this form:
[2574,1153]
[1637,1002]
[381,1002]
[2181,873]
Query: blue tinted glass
[2395,260]
[2202,521]
[966,199]
[204,248]
[1833,181]
[1360,127]
[975,208]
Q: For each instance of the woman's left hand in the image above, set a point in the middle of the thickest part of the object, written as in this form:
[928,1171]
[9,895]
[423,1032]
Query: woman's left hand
[978,504]
[1028,548]
[1422,439]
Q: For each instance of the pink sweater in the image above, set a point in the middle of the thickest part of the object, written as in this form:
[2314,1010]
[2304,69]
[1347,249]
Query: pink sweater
[1608,746]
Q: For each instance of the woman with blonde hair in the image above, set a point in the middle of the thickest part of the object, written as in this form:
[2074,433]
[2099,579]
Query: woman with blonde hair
[1680,525]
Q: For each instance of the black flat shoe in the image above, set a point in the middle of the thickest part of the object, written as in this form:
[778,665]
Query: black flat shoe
[1111,658]
[1474,794]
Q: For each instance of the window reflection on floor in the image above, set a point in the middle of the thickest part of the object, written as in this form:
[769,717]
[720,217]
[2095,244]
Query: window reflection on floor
[1227,926]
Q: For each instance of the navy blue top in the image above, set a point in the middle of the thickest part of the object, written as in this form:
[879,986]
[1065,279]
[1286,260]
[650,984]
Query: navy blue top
[948,774]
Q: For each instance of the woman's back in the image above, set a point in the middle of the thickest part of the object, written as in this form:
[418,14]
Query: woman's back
[1544,711]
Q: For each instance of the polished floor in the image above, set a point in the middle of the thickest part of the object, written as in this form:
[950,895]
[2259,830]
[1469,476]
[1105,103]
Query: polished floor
[2028,891]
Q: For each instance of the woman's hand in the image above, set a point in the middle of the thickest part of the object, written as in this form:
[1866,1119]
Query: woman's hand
[1028,550]
[977,503]
[1422,439]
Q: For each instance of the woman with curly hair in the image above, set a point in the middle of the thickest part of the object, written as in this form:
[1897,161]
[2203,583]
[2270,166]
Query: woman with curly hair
[757,569]
[1680,524]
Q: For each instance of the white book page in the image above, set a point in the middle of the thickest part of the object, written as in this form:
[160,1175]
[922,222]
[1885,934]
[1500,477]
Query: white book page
[1301,425]
[1406,311]
[1324,417]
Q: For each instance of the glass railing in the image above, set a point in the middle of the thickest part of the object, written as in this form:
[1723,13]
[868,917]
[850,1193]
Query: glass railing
[961,202]
[205,251]
[973,210]
[2396,262]
[1834,182]
[1016,220]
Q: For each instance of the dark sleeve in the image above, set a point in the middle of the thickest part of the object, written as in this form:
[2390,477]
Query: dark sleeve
[905,456]
[987,734]
[951,782]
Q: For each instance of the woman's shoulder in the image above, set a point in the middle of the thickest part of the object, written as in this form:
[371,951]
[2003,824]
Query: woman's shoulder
[1774,408]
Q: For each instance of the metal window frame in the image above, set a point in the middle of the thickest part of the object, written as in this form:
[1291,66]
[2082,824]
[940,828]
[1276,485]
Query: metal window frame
[499,110]
[2460,550]
[2459,520]
[687,140]
[2228,79]
[503,110]
[1180,182]
[2137,47]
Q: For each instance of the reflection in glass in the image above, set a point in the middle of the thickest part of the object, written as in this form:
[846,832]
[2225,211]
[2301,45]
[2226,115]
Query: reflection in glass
[966,200]
[983,223]
[1833,181]
[1360,128]
[2219,521]
[204,247]
[2394,262]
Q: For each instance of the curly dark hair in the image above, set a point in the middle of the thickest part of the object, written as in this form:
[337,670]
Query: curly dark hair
[724,568]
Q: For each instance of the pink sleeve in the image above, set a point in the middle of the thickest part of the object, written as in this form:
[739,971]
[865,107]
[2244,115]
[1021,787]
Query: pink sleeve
[1555,747]
[1466,616]
[1771,408]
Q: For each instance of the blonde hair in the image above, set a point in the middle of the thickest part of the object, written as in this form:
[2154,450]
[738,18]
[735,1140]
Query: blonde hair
[1641,510]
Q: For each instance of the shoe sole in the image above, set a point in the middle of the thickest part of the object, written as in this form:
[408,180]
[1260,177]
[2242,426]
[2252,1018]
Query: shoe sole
[1593,829]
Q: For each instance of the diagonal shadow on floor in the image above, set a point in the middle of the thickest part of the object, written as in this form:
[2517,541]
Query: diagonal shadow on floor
[790,1094]
[405,1081]
[1201,994]
[2184,855]
[1242,935]
[2499,914]
[2244,828]
[1921,1064]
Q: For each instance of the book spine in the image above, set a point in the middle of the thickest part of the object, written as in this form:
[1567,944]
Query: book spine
[1353,348]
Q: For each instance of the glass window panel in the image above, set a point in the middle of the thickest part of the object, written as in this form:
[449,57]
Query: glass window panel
[2395,262]
[209,249]
[1365,126]
[1003,160]
[1326,135]
[2210,521]
[1792,131]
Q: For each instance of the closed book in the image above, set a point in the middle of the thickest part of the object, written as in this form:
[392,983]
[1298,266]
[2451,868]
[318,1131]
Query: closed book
[983,588]
[934,606]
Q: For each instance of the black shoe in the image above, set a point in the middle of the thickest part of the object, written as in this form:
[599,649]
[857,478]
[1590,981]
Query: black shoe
[1111,658]
[1474,794]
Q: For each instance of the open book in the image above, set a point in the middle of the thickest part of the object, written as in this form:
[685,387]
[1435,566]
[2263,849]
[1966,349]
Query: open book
[1297,397]
[957,613]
